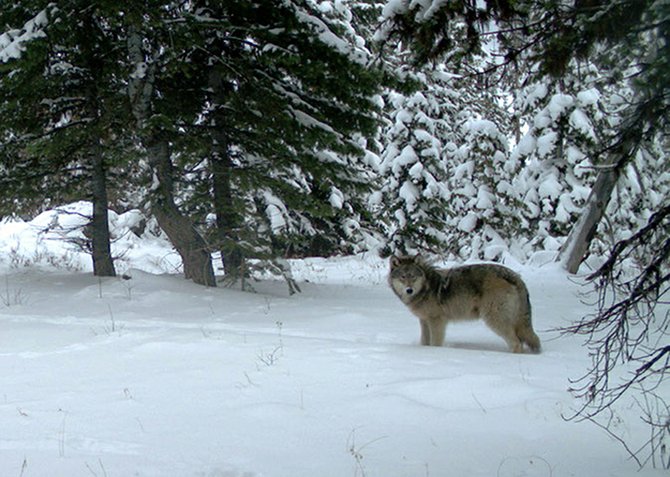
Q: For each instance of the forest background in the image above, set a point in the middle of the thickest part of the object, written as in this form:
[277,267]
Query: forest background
[250,132]
[268,130]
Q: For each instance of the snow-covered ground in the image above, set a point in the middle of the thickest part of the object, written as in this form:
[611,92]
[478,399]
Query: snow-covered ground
[156,376]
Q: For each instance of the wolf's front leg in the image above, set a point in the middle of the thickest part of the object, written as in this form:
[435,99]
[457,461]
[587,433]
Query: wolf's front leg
[425,333]
[437,330]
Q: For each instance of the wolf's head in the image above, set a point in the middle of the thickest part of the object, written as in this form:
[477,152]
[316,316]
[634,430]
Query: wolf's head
[407,277]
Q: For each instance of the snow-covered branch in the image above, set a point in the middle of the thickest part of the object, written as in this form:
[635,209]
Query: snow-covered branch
[13,42]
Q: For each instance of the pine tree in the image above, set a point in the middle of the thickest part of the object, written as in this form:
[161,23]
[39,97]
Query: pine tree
[278,143]
[255,111]
[161,97]
[445,169]
[61,105]
[566,120]
[555,41]
[414,198]
[484,219]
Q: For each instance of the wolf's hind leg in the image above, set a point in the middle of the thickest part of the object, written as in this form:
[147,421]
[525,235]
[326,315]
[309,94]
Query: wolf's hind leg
[527,335]
[506,332]
[511,338]
[515,345]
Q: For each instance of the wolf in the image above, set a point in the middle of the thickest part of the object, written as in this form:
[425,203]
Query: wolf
[491,292]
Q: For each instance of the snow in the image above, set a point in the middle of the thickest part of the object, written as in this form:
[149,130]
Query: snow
[535,94]
[404,117]
[485,200]
[526,146]
[558,104]
[375,199]
[13,42]
[310,121]
[581,122]
[468,223]
[425,9]
[482,127]
[336,198]
[52,238]
[393,7]
[275,210]
[416,171]
[435,7]
[410,193]
[140,70]
[400,217]
[550,187]
[406,157]
[546,143]
[328,37]
[424,136]
[588,97]
[156,376]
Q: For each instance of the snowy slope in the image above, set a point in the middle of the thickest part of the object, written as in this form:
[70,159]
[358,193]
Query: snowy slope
[155,376]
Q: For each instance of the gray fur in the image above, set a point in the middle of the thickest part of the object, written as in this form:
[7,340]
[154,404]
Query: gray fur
[491,292]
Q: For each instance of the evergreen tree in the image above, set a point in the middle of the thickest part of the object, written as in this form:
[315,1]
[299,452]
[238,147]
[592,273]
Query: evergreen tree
[484,217]
[565,120]
[286,104]
[61,107]
[568,121]
[445,169]
[163,103]
[253,110]
[414,198]
[555,41]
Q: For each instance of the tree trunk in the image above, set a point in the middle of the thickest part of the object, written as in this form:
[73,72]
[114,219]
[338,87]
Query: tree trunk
[98,229]
[641,122]
[577,244]
[228,220]
[620,154]
[190,245]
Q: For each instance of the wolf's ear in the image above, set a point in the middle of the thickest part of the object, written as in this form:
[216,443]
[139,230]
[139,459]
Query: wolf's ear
[395,261]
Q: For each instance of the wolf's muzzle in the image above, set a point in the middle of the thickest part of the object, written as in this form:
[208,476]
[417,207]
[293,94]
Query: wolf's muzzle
[409,290]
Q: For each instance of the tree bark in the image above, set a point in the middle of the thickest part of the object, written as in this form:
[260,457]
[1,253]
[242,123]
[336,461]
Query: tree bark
[98,229]
[620,154]
[577,244]
[190,245]
[228,220]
